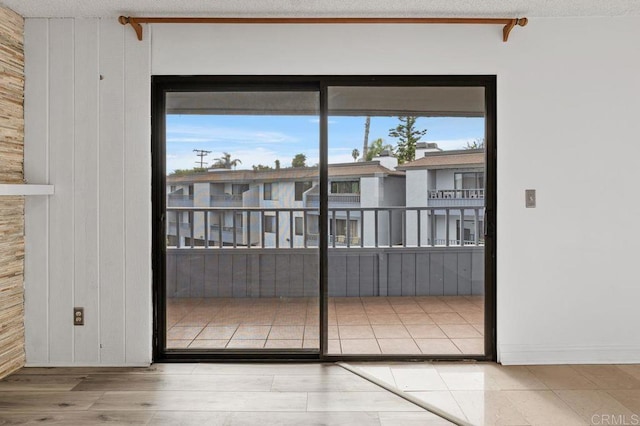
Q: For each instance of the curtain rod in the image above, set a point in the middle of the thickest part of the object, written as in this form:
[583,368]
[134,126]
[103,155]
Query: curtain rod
[509,23]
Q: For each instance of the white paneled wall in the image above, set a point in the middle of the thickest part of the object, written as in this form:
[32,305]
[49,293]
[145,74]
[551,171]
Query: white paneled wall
[87,113]
[568,100]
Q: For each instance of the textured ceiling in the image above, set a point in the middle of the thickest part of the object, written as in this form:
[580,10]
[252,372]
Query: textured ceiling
[324,8]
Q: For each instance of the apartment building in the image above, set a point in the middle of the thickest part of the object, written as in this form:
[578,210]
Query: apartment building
[279,207]
[453,180]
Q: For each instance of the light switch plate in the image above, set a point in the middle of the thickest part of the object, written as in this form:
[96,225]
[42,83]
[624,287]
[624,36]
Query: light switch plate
[530,198]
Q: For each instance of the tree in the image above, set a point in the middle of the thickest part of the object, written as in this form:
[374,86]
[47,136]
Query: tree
[225,162]
[475,144]
[300,160]
[407,136]
[376,148]
[365,144]
[277,164]
[260,168]
[183,172]
[355,154]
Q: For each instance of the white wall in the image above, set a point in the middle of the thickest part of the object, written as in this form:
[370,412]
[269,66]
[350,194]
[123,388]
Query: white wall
[417,195]
[89,244]
[567,88]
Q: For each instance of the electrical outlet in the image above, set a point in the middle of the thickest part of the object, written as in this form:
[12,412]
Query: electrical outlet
[78,316]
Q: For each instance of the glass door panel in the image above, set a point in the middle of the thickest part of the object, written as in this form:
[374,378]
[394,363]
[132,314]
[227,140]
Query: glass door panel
[242,221]
[406,212]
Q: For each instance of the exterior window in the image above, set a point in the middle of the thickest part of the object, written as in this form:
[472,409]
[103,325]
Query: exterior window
[191,190]
[312,225]
[345,187]
[301,187]
[270,224]
[239,188]
[341,227]
[340,235]
[469,231]
[267,191]
[469,180]
[299,224]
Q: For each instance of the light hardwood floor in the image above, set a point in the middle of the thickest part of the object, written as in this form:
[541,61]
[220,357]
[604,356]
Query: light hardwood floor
[321,394]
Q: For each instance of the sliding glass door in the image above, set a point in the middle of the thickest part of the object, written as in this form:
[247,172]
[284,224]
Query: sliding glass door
[406,260]
[323,217]
[242,220]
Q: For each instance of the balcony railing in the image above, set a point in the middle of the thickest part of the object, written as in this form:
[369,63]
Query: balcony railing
[179,200]
[313,200]
[390,227]
[456,193]
[456,197]
[226,200]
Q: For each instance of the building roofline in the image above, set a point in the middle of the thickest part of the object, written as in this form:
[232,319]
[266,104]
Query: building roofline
[374,168]
[431,160]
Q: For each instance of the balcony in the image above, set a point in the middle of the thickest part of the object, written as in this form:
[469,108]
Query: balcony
[456,197]
[406,264]
[226,200]
[179,200]
[335,200]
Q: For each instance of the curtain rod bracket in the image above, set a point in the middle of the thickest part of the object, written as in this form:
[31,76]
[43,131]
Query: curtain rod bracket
[124,20]
[509,24]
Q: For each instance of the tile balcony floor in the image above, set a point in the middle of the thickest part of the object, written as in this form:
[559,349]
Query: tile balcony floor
[447,325]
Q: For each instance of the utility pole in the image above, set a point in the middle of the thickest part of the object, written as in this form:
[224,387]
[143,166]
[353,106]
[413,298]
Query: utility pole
[365,145]
[201,153]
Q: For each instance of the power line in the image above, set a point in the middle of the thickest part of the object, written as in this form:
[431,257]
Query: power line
[201,153]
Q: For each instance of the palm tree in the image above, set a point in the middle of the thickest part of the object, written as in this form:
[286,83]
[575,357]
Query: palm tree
[355,153]
[365,145]
[225,162]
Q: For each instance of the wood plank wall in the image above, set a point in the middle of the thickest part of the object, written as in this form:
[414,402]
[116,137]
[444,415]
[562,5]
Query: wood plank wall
[87,112]
[12,355]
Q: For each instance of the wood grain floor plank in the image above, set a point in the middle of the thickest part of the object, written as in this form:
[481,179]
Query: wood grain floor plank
[47,401]
[320,383]
[156,382]
[201,401]
[55,382]
[84,418]
[358,401]
[267,368]
[266,419]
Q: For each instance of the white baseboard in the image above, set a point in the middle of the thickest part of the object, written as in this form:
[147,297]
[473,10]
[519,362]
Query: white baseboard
[81,365]
[537,354]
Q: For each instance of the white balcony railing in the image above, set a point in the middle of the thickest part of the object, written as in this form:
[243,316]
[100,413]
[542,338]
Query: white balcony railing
[456,197]
[179,200]
[226,200]
[313,200]
[456,193]
[374,227]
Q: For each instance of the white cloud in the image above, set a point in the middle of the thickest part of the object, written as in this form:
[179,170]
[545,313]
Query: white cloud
[191,134]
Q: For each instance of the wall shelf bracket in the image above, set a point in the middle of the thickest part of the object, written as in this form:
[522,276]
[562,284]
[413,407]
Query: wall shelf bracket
[509,24]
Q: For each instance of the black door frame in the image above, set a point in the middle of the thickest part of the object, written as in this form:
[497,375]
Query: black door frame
[320,84]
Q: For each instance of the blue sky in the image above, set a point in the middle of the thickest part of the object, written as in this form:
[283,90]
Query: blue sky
[261,139]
